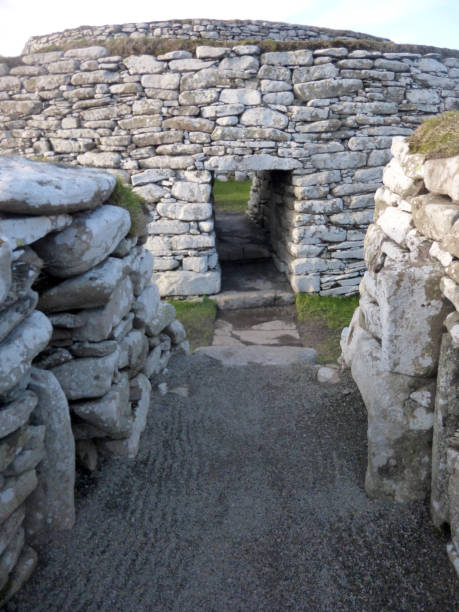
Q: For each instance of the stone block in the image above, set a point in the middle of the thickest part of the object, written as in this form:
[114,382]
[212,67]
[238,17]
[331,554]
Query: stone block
[39,188]
[52,502]
[183,282]
[87,242]
[88,377]
[434,215]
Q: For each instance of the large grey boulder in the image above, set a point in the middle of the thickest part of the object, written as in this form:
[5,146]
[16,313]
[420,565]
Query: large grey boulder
[399,429]
[20,230]
[410,337]
[21,346]
[111,413]
[52,502]
[40,188]
[87,242]
[87,377]
[99,322]
[89,290]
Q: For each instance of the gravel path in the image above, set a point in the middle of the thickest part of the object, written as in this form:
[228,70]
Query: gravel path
[246,495]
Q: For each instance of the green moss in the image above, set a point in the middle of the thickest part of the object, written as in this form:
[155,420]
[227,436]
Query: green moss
[437,137]
[231,196]
[125,197]
[198,318]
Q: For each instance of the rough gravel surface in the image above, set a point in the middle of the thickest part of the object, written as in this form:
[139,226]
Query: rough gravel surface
[246,495]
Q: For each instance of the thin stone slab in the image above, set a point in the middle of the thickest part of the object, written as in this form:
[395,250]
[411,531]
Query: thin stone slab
[17,312]
[130,446]
[15,415]
[21,346]
[40,188]
[259,354]
[52,502]
[5,269]
[20,231]
[87,242]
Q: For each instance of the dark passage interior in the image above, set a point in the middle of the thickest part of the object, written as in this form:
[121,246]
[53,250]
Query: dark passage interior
[249,229]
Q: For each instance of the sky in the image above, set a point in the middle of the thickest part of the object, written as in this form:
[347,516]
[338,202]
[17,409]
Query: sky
[428,22]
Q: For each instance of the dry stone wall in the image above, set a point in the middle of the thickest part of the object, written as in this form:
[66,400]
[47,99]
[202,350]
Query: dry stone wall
[82,332]
[234,30]
[403,341]
[169,124]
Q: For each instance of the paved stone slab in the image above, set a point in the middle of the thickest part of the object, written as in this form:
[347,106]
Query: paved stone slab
[259,354]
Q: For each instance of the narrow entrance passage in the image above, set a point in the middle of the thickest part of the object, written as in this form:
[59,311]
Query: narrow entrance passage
[249,236]
[247,494]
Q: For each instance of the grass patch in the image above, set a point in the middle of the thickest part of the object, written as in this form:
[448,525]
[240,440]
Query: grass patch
[320,321]
[152,45]
[231,196]
[125,197]
[437,137]
[198,318]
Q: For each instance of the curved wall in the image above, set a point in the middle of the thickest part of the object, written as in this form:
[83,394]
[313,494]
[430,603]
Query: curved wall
[168,123]
[230,30]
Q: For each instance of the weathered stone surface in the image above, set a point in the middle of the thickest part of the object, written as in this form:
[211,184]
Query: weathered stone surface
[20,347]
[166,314]
[21,573]
[130,446]
[111,413]
[264,355]
[397,181]
[143,64]
[87,377]
[20,231]
[327,88]
[398,442]
[15,414]
[240,96]
[30,453]
[146,306]
[446,423]
[10,556]
[434,215]
[5,269]
[410,340]
[97,323]
[52,502]
[395,224]
[442,176]
[38,188]
[88,241]
[15,491]
[191,192]
[183,282]
[288,58]
[88,290]
[264,117]
[10,527]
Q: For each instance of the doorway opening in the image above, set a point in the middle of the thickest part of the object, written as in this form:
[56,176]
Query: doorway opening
[251,235]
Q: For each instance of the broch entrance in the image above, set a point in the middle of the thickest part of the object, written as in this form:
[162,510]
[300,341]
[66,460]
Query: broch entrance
[249,487]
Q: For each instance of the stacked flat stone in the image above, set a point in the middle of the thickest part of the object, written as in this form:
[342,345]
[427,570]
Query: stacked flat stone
[318,125]
[230,30]
[403,341]
[82,331]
